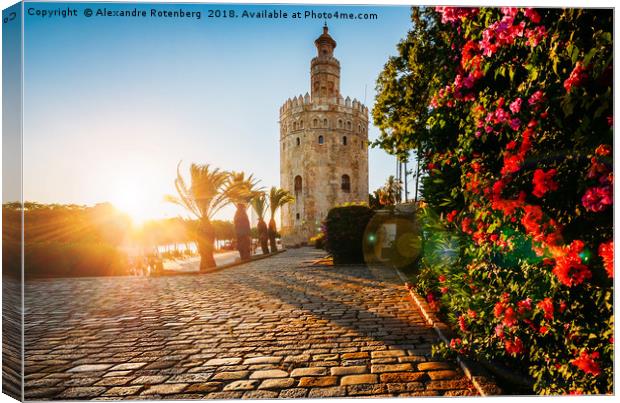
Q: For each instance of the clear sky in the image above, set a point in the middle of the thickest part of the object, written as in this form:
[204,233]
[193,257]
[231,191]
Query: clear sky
[112,104]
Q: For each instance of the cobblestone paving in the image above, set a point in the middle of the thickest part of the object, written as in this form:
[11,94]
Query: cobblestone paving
[266,329]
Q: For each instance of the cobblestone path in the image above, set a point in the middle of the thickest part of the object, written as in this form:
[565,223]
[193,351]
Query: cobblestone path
[271,328]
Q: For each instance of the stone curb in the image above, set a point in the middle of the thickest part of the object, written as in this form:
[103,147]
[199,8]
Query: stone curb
[482,380]
[225,266]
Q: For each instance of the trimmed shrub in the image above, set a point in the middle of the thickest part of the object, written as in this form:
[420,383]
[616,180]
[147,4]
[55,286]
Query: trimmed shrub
[56,259]
[318,241]
[344,235]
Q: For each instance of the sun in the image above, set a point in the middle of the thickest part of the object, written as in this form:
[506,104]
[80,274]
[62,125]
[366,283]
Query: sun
[133,201]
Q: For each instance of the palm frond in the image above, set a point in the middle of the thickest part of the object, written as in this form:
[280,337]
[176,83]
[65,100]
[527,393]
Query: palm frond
[259,204]
[278,198]
[240,190]
[203,198]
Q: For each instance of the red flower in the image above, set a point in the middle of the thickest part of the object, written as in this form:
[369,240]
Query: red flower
[562,307]
[510,317]
[603,150]
[455,343]
[466,225]
[543,182]
[514,347]
[472,314]
[543,330]
[462,323]
[606,252]
[597,198]
[547,306]
[569,269]
[451,215]
[499,309]
[532,15]
[576,78]
[441,278]
[586,362]
[512,163]
[531,220]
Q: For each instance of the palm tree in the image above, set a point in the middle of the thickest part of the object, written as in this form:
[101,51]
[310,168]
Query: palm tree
[205,196]
[241,190]
[390,193]
[259,204]
[277,199]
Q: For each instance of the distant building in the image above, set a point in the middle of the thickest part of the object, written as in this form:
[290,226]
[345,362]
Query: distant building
[323,148]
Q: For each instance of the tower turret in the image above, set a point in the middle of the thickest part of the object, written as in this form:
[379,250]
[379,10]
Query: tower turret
[325,68]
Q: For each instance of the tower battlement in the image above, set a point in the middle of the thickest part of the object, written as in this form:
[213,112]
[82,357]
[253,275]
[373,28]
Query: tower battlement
[295,104]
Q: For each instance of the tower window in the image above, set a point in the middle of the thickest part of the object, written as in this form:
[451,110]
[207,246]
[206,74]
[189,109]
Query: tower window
[359,128]
[298,184]
[340,123]
[297,216]
[321,140]
[315,123]
[324,122]
[294,125]
[298,141]
[344,140]
[345,184]
[301,124]
[348,125]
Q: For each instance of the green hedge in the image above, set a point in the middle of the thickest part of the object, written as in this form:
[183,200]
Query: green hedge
[344,235]
[56,259]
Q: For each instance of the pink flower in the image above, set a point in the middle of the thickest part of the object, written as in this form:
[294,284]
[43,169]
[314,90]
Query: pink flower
[455,14]
[510,11]
[499,331]
[536,35]
[535,98]
[515,106]
[525,305]
[597,199]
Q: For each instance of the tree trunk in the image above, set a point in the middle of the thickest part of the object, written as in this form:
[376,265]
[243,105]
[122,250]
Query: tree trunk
[272,235]
[242,231]
[263,236]
[205,245]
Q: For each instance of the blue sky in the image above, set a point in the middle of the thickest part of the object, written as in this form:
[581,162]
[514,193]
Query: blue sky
[113,104]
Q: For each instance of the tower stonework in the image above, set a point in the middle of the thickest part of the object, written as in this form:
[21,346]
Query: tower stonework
[323,148]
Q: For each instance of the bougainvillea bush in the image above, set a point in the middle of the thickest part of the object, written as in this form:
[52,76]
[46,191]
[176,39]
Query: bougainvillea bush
[516,134]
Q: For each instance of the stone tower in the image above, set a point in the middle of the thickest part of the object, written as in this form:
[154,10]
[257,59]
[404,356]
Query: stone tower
[323,148]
